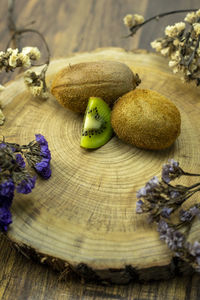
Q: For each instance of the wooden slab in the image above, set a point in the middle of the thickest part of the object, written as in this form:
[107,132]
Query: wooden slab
[84,218]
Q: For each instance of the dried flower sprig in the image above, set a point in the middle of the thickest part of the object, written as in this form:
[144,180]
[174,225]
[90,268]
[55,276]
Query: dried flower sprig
[35,82]
[14,174]
[13,58]
[160,199]
[18,57]
[131,21]
[181,43]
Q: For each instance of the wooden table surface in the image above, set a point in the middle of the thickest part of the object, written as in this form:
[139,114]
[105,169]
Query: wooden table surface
[74,26]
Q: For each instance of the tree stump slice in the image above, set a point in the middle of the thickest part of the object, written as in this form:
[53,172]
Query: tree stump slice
[83,217]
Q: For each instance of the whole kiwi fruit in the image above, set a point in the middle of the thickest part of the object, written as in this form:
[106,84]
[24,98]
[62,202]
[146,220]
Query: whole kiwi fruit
[146,119]
[75,84]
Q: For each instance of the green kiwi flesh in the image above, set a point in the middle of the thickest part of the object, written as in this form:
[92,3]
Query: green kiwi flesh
[96,129]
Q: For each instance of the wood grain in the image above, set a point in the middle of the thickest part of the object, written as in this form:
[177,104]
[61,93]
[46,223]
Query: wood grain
[21,278]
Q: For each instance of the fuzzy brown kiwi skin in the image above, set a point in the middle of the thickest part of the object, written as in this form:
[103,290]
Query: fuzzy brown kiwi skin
[109,80]
[146,119]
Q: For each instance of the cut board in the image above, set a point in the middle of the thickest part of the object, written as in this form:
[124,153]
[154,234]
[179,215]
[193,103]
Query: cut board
[83,218]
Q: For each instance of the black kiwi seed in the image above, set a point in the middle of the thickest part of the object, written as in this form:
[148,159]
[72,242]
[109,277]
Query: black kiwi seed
[95,113]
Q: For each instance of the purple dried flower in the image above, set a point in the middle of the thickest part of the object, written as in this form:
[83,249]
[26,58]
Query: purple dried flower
[2,145]
[40,139]
[188,215]
[162,229]
[7,188]
[6,193]
[46,173]
[173,239]
[166,211]
[171,171]
[142,192]
[195,211]
[43,168]
[139,205]
[5,218]
[194,250]
[43,164]
[176,241]
[149,188]
[26,185]
[44,149]
[20,160]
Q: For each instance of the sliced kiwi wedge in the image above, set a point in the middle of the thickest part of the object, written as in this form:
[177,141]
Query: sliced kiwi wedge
[96,130]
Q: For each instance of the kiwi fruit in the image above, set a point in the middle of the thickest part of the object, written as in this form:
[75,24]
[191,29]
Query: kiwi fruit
[96,129]
[146,119]
[73,85]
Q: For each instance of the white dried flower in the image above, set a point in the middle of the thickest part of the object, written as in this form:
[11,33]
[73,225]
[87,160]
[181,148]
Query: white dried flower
[180,26]
[138,19]
[24,59]
[32,52]
[172,63]
[36,90]
[182,46]
[13,57]
[132,20]
[175,69]
[173,31]
[196,27]
[175,56]
[198,13]
[10,50]
[2,117]
[156,45]
[194,66]
[190,17]
[35,84]
[27,79]
[165,51]
[128,20]
[176,42]
[188,72]
[169,30]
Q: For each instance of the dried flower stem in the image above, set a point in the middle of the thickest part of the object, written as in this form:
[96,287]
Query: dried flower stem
[194,52]
[11,23]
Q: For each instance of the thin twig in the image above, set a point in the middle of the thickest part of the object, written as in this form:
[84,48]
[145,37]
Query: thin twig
[11,22]
[26,30]
[194,52]
[190,174]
